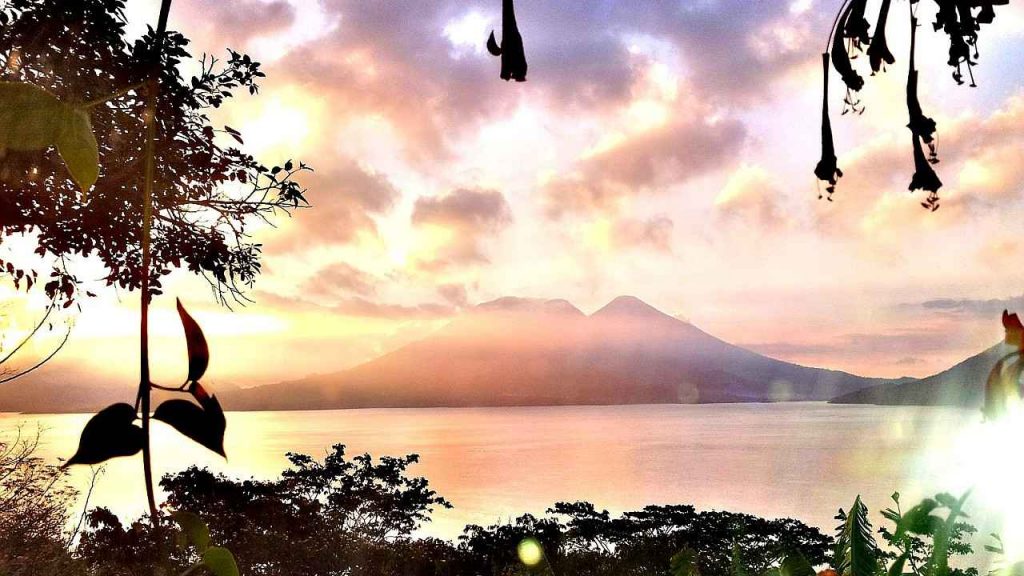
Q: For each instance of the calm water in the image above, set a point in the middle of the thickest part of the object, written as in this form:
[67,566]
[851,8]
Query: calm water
[801,460]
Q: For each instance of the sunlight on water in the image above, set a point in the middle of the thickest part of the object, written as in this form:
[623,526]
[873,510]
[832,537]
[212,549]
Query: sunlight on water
[801,460]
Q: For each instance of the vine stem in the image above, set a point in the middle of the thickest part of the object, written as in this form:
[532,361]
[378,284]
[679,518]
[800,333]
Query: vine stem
[143,400]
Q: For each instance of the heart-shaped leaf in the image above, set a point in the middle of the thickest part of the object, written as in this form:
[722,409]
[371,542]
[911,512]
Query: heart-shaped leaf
[109,434]
[204,424]
[220,562]
[30,117]
[77,146]
[193,528]
[198,351]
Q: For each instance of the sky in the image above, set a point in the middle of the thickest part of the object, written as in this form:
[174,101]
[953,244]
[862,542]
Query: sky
[662,149]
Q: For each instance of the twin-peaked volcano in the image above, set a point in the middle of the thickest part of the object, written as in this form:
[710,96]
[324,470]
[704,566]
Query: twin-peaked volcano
[515,351]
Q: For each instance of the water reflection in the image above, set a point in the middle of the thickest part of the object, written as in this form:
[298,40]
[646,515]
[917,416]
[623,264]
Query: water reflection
[801,460]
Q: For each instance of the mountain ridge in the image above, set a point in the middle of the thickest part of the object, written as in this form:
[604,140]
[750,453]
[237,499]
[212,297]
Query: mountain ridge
[532,352]
[517,352]
[962,384]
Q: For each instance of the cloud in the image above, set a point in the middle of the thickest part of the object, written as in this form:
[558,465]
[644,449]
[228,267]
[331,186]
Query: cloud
[980,178]
[344,199]
[357,307]
[454,294]
[750,197]
[458,223]
[646,163]
[866,345]
[651,233]
[340,278]
[989,308]
[214,25]
[582,59]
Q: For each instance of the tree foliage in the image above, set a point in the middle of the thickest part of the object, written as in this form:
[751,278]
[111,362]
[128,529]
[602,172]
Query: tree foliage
[207,191]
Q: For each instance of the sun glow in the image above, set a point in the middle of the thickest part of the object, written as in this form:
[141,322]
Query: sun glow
[985,458]
[283,124]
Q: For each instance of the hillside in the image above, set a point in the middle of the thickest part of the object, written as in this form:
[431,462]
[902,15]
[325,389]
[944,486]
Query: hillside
[960,385]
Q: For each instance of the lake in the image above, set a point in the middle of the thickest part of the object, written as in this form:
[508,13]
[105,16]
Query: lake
[800,460]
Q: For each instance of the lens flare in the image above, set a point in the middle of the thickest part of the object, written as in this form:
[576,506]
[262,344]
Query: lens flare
[986,456]
[530,552]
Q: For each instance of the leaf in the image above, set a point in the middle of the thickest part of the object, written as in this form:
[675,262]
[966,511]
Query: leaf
[111,433]
[856,550]
[938,563]
[205,425]
[796,564]
[77,146]
[896,569]
[492,45]
[30,117]
[198,350]
[220,562]
[33,119]
[919,519]
[684,563]
[193,528]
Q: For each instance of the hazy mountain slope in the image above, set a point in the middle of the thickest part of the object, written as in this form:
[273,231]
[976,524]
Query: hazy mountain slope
[529,352]
[58,388]
[961,385]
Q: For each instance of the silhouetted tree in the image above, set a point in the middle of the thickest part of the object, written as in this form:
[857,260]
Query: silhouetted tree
[358,516]
[205,194]
[143,184]
[35,500]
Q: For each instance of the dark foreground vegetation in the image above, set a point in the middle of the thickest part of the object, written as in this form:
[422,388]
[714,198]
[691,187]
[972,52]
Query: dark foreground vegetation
[358,516]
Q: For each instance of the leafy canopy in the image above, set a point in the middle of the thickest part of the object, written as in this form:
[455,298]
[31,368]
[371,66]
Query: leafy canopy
[206,194]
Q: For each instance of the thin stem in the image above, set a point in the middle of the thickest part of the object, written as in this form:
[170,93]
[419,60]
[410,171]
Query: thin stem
[39,325]
[85,506]
[41,362]
[835,25]
[117,94]
[153,86]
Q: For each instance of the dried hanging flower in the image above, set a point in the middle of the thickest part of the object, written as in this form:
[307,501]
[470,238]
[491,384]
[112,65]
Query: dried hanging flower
[856,27]
[925,177]
[827,170]
[513,58]
[922,129]
[959,19]
[841,56]
[879,52]
[954,17]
